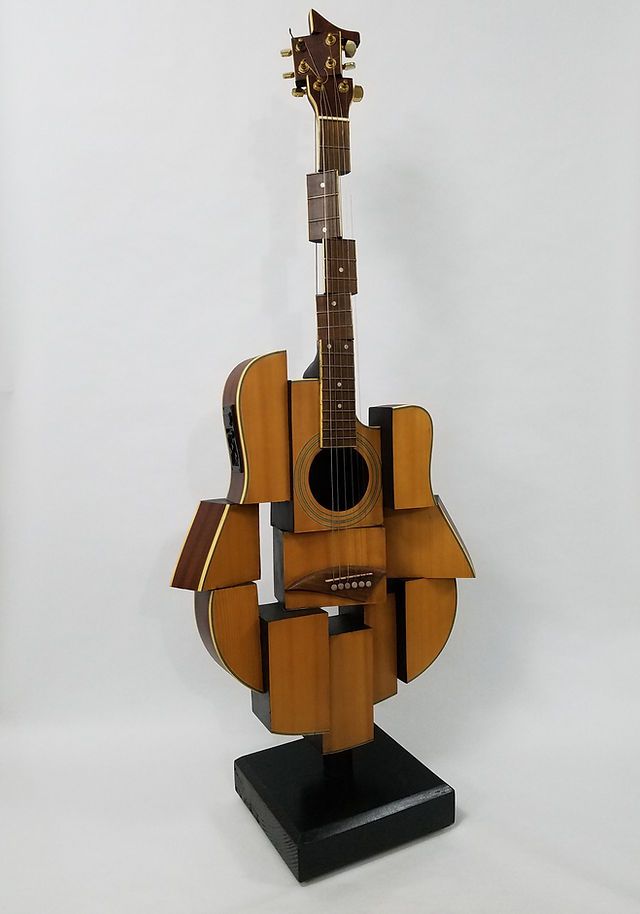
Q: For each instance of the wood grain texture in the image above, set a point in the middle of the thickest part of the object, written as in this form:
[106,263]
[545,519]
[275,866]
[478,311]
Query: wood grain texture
[221,548]
[258,389]
[406,441]
[426,612]
[351,658]
[298,555]
[423,543]
[308,515]
[229,625]
[297,645]
[381,619]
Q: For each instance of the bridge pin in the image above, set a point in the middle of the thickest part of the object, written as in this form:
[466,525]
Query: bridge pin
[334,587]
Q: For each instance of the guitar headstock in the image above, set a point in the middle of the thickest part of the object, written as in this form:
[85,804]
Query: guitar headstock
[319,65]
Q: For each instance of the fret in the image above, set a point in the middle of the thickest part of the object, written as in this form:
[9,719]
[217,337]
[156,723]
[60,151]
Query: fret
[339,369]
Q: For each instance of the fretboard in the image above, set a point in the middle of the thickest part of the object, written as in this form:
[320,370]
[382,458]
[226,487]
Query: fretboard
[333,307]
[337,366]
[333,144]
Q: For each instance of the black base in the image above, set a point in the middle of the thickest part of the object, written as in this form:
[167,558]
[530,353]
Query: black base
[322,816]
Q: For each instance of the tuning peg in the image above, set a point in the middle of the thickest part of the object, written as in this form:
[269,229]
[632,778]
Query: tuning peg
[288,75]
[298,93]
[350,48]
[358,93]
[286,52]
[349,65]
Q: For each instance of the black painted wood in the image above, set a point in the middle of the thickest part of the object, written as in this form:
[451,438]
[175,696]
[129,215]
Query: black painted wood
[318,821]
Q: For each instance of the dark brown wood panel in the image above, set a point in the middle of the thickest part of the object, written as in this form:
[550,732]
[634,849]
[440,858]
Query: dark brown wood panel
[197,544]
[334,140]
[323,204]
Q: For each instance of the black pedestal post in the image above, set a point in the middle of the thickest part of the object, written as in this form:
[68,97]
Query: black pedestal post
[324,815]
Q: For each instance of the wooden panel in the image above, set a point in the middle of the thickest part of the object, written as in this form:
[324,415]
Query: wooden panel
[351,690]
[221,549]
[193,555]
[229,625]
[423,543]
[235,558]
[323,204]
[412,442]
[258,389]
[406,441]
[298,664]
[333,142]
[305,435]
[340,265]
[426,613]
[381,619]
[304,554]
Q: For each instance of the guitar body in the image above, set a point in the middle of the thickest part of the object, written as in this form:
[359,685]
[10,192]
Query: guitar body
[356,525]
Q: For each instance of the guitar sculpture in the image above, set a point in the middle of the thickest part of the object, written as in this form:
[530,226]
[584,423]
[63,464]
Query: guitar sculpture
[355,522]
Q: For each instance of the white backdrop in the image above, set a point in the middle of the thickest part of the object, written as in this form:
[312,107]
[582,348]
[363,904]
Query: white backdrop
[153,235]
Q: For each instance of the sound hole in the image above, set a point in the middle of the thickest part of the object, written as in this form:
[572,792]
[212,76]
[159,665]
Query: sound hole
[338,478]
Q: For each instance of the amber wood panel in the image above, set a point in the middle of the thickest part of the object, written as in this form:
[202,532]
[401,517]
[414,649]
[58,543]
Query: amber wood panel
[221,549]
[351,690]
[297,645]
[381,619]
[423,543]
[308,515]
[297,555]
[406,441]
[229,625]
[426,611]
[258,391]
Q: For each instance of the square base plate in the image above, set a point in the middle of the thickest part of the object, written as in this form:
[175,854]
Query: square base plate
[318,821]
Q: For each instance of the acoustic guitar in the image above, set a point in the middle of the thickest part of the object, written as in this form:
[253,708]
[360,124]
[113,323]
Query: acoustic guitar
[356,525]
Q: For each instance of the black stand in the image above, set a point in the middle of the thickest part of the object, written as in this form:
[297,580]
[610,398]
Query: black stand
[323,816]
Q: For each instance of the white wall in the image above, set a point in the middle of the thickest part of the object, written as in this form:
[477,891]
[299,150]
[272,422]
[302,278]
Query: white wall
[153,235]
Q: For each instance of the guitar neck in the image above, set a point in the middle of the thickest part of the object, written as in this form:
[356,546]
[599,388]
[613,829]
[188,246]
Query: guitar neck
[333,306]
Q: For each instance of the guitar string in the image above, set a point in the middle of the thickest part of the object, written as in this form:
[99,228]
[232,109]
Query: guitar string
[347,359]
[345,427]
[328,348]
[336,431]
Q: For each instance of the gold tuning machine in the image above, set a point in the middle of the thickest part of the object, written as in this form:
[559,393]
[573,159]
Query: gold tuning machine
[349,65]
[298,93]
[350,48]
[358,93]
[286,52]
[288,75]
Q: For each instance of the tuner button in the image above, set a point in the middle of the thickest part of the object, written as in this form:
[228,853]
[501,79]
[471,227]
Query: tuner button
[298,93]
[288,75]
[350,48]
[286,52]
[358,93]
[349,65]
